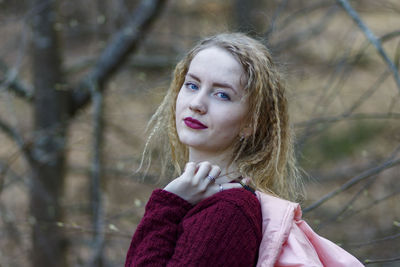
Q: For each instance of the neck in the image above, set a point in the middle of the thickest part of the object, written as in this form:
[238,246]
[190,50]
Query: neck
[223,160]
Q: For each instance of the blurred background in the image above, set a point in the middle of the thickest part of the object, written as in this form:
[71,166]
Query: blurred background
[80,79]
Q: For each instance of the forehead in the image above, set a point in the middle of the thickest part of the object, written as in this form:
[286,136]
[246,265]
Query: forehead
[217,64]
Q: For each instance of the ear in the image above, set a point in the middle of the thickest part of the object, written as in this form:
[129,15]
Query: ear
[246,132]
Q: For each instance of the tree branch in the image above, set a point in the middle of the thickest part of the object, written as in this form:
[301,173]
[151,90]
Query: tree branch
[13,135]
[111,231]
[96,178]
[357,116]
[10,81]
[122,45]
[271,27]
[301,13]
[372,39]
[346,115]
[349,204]
[5,167]
[372,242]
[381,260]
[375,202]
[364,175]
[136,177]
[307,34]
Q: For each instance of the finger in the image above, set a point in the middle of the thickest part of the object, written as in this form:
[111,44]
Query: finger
[210,177]
[225,179]
[213,174]
[228,186]
[190,168]
[246,180]
[216,188]
[203,169]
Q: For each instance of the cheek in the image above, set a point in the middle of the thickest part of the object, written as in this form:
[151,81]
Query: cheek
[235,118]
[178,105]
[180,102]
[231,126]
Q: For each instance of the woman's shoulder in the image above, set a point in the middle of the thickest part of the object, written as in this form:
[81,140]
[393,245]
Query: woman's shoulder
[239,197]
[235,201]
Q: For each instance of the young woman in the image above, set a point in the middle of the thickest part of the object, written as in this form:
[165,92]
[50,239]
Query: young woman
[225,120]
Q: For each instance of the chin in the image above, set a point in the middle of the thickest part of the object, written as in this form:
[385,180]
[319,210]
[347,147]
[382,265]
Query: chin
[191,143]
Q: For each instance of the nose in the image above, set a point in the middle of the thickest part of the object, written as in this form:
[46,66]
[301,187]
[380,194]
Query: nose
[198,103]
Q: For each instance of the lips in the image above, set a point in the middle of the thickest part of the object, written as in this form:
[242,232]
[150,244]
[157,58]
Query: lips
[194,124]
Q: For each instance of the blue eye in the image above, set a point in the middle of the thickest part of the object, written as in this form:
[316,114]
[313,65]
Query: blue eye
[192,86]
[223,96]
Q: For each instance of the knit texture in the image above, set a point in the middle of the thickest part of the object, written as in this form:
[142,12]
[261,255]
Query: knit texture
[222,230]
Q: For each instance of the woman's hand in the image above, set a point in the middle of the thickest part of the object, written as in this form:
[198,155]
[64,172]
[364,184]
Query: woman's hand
[198,182]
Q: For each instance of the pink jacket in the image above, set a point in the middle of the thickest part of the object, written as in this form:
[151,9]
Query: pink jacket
[289,241]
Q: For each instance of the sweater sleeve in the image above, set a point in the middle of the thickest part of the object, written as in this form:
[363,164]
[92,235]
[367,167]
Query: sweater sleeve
[224,230]
[155,237]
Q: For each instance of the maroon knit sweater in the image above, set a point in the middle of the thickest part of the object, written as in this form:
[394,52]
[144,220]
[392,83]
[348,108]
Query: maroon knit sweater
[222,230]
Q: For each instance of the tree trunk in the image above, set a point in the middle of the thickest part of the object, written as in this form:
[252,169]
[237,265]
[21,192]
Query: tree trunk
[48,151]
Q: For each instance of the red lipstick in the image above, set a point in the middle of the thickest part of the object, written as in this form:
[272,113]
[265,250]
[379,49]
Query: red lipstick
[194,124]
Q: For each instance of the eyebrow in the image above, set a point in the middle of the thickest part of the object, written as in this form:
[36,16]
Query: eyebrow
[218,84]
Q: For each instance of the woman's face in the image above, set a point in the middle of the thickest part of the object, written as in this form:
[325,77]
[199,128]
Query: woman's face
[211,107]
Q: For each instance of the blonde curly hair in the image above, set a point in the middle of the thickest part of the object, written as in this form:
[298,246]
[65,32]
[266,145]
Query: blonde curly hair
[266,156]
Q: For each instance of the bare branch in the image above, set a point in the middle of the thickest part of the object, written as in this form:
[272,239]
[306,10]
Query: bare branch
[346,70]
[137,177]
[271,28]
[302,12]
[123,44]
[301,36]
[389,36]
[397,55]
[10,81]
[112,231]
[369,182]
[5,167]
[349,204]
[96,178]
[357,116]
[368,93]
[375,202]
[381,260]
[372,242]
[346,114]
[372,38]
[14,136]
[138,61]
[364,175]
